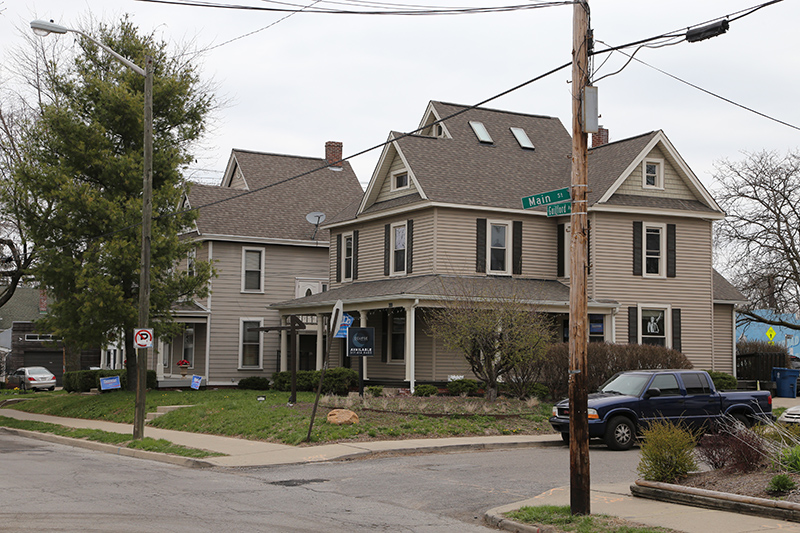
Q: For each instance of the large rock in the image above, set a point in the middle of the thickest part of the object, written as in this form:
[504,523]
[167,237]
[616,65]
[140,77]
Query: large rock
[342,416]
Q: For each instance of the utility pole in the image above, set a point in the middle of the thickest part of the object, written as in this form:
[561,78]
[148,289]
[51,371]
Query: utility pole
[578,331]
[144,275]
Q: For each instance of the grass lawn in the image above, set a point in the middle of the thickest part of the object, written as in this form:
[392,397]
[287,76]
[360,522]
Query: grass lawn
[561,519]
[233,412]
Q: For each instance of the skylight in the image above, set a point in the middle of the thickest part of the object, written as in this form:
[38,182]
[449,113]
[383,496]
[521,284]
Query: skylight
[522,138]
[480,132]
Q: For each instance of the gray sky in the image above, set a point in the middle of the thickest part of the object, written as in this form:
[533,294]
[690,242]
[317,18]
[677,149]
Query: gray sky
[313,78]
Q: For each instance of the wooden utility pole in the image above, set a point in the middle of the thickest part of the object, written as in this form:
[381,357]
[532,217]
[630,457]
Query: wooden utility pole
[578,330]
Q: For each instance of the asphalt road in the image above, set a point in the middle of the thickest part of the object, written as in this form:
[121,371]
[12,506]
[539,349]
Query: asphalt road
[49,487]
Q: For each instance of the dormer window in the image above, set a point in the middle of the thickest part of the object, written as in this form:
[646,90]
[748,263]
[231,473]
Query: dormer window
[481,132]
[400,181]
[522,138]
[653,174]
[437,130]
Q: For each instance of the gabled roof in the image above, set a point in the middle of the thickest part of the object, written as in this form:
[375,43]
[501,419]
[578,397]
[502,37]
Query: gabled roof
[725,292]
[277,193]
[457,169]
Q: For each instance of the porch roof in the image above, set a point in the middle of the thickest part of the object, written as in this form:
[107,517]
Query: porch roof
[545,293]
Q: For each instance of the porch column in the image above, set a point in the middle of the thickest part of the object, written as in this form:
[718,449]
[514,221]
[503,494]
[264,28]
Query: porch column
[320,338]
[284,348]
[410,313]
[362,322]
[160,361]
[208,349]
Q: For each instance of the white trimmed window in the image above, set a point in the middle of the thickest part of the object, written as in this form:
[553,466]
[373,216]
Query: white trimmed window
[498,247]
[653,174]
[252,270]
[250,348]
[655,325]
[654,246]
[347,257]
[190,262]
[397,336]
[398,248]
[400,180]
[188,346]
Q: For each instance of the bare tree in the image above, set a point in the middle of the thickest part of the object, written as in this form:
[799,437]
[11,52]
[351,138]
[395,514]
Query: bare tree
[496,328]
[759,241]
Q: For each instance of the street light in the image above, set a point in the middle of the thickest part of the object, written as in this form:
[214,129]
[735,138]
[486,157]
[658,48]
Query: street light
[44,28]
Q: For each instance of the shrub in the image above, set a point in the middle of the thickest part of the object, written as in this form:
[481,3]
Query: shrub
[714,450]
[790,459]
[723,381]
[748,450]
[375,390]
[338,381]
[667,452]
[426,390]
[605,360]
[781,483]
[462,386]
[750,347]
[254,383]
[307,380]
[539,391]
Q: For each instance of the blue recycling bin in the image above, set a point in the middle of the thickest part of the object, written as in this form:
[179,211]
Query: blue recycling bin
[786,381]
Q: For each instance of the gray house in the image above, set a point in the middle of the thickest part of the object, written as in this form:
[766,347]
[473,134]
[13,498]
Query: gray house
[255,228]
[443,210]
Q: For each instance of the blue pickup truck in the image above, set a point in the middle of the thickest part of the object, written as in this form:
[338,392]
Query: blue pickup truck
[630,400]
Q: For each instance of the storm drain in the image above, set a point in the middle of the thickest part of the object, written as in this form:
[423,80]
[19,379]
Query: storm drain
[296,482]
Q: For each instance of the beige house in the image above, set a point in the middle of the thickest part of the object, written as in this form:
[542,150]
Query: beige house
[443,210]
[255,228]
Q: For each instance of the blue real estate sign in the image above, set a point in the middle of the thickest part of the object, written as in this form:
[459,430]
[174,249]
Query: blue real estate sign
[110,383]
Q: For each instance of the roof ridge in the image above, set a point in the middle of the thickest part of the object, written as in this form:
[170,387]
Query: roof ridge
[529,115]
[624,140]
[256,152]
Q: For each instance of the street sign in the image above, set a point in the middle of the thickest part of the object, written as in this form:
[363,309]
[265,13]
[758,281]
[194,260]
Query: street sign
[556,210]
[550,197]
[143,338]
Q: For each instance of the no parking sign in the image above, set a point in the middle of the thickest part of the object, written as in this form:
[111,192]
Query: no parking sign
[143,338]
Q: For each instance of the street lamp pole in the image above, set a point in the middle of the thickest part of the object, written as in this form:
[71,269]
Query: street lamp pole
[43,28]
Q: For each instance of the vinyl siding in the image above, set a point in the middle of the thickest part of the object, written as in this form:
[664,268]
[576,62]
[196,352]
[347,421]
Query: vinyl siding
[674,186]
[386,192]
[690,291]
[455,242]
[371,243]
[282,265]
[723,338]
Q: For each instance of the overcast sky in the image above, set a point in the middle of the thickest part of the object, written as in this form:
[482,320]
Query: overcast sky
[313,78]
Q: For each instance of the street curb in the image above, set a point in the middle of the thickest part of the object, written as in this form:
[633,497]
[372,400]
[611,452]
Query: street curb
[722,501]
[495,518]
[110,448]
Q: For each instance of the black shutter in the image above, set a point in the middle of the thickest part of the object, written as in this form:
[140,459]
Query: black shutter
[560,251]
[355,254]
[409,246]
[637,248]
[385,335]
[339,258]
[387,241]
[480,245]
[670,250]
[516,250]
[676,329]
[633,325]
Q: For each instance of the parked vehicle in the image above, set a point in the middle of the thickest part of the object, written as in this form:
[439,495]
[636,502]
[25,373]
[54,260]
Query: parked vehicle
[32,378]
[790,415]
[629,401]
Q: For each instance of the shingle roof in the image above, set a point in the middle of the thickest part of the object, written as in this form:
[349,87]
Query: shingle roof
[434,287]
[724,291]
[278,211]
[22,307]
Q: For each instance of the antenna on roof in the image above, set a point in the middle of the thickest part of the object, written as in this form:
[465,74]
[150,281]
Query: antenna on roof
[316,218]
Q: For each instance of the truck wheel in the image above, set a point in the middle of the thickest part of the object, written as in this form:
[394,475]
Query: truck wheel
[620,433]
[742,419]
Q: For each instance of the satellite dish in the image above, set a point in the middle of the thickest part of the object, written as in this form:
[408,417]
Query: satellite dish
[316,218]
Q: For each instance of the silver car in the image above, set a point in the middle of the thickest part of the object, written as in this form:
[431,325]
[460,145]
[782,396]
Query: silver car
[791,415]
[32,378]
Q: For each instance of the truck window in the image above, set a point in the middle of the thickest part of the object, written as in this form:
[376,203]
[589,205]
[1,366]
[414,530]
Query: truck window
[695,383]
[667,384]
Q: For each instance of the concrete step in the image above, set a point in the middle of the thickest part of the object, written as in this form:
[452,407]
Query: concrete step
[162,410]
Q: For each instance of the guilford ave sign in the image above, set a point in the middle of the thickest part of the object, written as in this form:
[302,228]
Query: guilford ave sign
[559,198]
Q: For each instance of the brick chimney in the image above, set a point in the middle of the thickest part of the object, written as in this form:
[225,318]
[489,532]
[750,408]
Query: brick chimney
[600,138]
[333,153]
